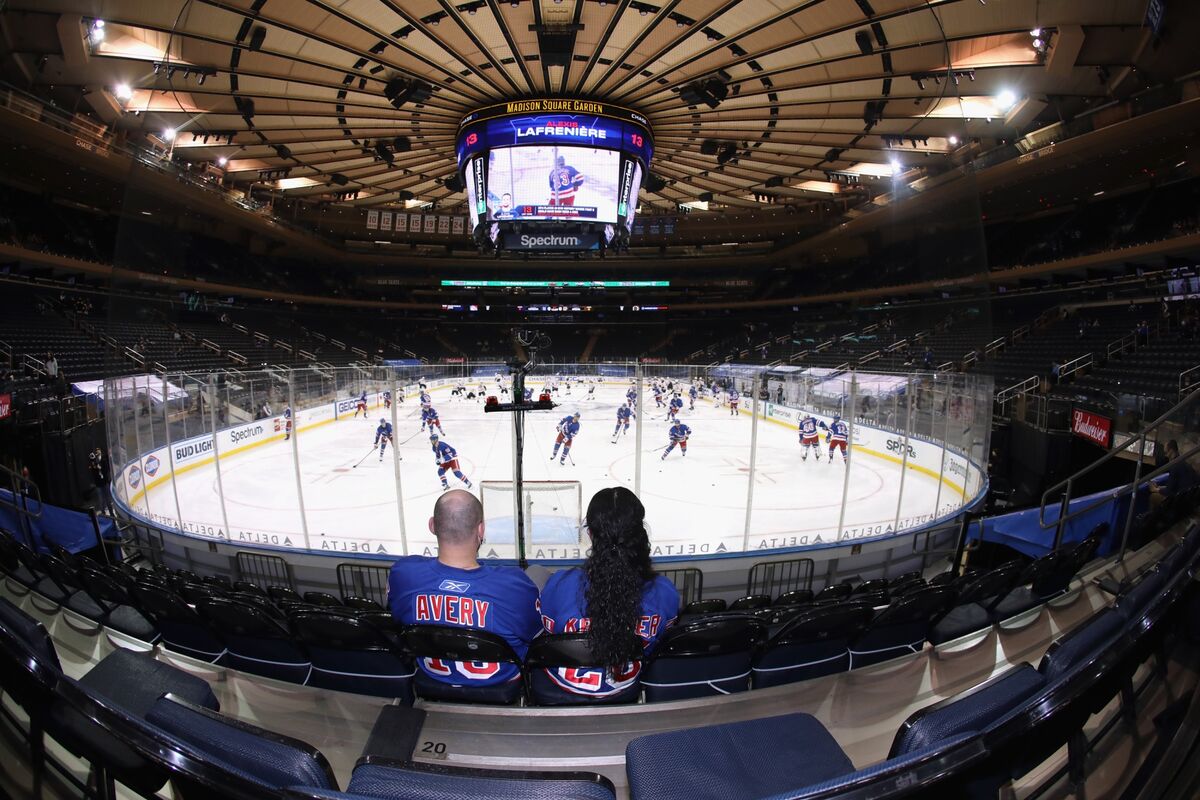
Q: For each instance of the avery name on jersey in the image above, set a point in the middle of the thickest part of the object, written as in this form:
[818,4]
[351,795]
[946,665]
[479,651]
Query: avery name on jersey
[453,609]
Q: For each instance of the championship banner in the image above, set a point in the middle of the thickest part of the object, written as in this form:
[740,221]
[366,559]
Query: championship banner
[1093,427]
[385,221]
[372,220]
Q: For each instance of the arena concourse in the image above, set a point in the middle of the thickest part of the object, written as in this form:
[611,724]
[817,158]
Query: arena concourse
[617,400]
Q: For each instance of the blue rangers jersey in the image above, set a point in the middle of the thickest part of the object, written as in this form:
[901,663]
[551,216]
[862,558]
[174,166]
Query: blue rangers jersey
[692,392]
[624,413]
[443,452]
[733,395]
[428,414]
[677,402]
[501,600]
[425,399]
[839,431]
[562,609]
[384,431]
[568,427]
[679,432]
[808,427]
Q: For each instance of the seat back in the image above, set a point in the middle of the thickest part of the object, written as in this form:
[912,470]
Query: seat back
[322,599]
[750,602]
[834,591]
[990,587]
[794,598]
[841,621]
[1079,645]
[924,603]
[361,604]
[704,606]
[457,644]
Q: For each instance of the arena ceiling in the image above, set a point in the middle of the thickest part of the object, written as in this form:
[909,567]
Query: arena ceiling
[802,101]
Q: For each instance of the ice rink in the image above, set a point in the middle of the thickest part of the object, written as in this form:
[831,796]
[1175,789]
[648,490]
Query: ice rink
[696,504]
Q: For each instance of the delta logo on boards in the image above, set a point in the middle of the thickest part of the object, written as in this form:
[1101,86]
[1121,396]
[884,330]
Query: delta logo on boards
[152,465]
[1093,427]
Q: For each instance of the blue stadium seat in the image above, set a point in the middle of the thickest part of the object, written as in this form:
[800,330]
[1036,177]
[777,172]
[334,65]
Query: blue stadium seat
[381,779]
[813,643]
[461,644]
[256,641]
[1081,644]
[703,658]
[973,710]
[755,758]
[349,654]
[183,630]
[902,627]
[976,600]
[249,752]
[1139,597]
[118,605]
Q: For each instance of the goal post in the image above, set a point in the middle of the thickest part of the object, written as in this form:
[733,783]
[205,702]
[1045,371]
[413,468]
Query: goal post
[553,511]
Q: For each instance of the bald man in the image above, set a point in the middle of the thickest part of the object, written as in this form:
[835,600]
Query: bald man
[454,589]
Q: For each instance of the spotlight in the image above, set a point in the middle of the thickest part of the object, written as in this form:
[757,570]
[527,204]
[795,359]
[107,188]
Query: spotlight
[1036,32]
[895,164]
[123,92]
[953,140]
[96,33]
[169,135]
[1006,99]
[1038,44]
[222,161]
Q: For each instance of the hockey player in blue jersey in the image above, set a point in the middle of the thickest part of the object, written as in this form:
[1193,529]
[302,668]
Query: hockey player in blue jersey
[810,437]
[383,436]
[447,461]
[692,394]
[623,415]
[675,407]
[631,397]
[387,399]
[528,394]
[429,416]
[679,434]
[425,401]
[568,428]
[658,394]
[733,401]
[361,406]
[287,423]
[838,436]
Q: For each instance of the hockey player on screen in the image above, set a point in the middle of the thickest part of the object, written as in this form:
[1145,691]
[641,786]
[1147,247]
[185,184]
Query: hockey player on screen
[837,436]
[679,434]
[447,461]
[564,182]
[568,429]
[733,401]
[692,394]
[361,405]
[675,407]
[429,416]
[383,436]
[387,399]
[623,415]
[810,437]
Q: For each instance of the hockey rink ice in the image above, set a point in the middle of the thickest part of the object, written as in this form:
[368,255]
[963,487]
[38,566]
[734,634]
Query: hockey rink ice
[696,504]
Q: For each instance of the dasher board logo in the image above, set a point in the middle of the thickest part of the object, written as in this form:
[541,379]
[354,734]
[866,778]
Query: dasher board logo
[135,477]
[1093,427]
[152,465]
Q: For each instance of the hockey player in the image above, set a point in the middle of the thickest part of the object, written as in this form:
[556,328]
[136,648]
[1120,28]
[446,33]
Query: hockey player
[838,436]
[692,394]
[675,407]
[631,397]
[361,405]
[287,423]
[679,434]
[426,402]
[591,395]
[623,415]
[658,401]
[383,436]
[429,416]
[568,428]
[528,394]
[387,399]
[447,461]
[733,401]
[810,437]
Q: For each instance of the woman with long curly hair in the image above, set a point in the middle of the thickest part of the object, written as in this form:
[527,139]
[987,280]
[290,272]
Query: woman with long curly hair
[615,597]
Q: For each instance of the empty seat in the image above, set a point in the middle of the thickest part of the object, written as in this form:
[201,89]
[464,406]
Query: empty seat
[834,591]
[322,599]
[361,604]
[794,598]
[349,654]
[756,758]
[118,605]
[284,593]
[704,606]
[750,602]
[182,629]
[703,658]
[1078,646]
[902,627]
[814,643]
[976,599]
[255,641]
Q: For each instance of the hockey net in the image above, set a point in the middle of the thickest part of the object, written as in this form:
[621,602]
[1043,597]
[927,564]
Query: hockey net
[553,511]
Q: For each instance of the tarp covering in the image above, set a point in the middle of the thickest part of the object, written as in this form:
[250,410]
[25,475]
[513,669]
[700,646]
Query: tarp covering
[1020,529]
[70,529]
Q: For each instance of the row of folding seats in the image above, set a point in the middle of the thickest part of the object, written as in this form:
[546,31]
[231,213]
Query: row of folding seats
[999,730]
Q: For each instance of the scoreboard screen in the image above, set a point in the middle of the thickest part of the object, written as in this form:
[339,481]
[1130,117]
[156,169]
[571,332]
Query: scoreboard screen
[548,182]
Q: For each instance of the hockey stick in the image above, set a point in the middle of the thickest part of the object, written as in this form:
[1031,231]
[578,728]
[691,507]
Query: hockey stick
[364,458]
[409,439]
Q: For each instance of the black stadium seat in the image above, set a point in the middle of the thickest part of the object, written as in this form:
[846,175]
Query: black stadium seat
[902,627]
[711,606]
[461,644]
[814,643]
[349,654]
[703,658]
[255,641]
[976,600]
[750,602]
[566,652]
[182,629]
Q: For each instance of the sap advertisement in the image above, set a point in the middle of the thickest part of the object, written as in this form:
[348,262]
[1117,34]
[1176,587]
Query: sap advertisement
[553,182]
[584,130]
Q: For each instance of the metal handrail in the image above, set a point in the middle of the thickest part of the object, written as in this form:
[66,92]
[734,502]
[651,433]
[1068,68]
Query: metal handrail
[1074,365]
[23,490]
[1062,489]
[1123,345]
[1025,386]
[1188,385]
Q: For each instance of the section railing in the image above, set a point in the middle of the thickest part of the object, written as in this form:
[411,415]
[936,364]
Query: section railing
[1189,380]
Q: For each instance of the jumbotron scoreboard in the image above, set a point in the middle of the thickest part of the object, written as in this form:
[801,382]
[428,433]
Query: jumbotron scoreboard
[546,175]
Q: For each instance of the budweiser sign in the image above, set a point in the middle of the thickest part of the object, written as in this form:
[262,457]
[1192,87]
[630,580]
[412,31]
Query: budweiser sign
[5,405]
[1092,427]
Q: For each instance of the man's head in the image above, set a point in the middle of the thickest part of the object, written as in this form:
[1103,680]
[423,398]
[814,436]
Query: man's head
[1172,449]
[457,522]
[561,161]
[506,201]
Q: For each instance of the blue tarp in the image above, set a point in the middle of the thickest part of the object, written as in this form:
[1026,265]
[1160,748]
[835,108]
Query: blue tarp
[70,529]
[1020,529]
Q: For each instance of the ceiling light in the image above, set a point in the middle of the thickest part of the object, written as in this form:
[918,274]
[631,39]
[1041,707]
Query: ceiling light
[953,139]
[895,166]
[122,91]
[1006,99]
[222,161]
[1038,44]
[1036,32]
[169,134]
